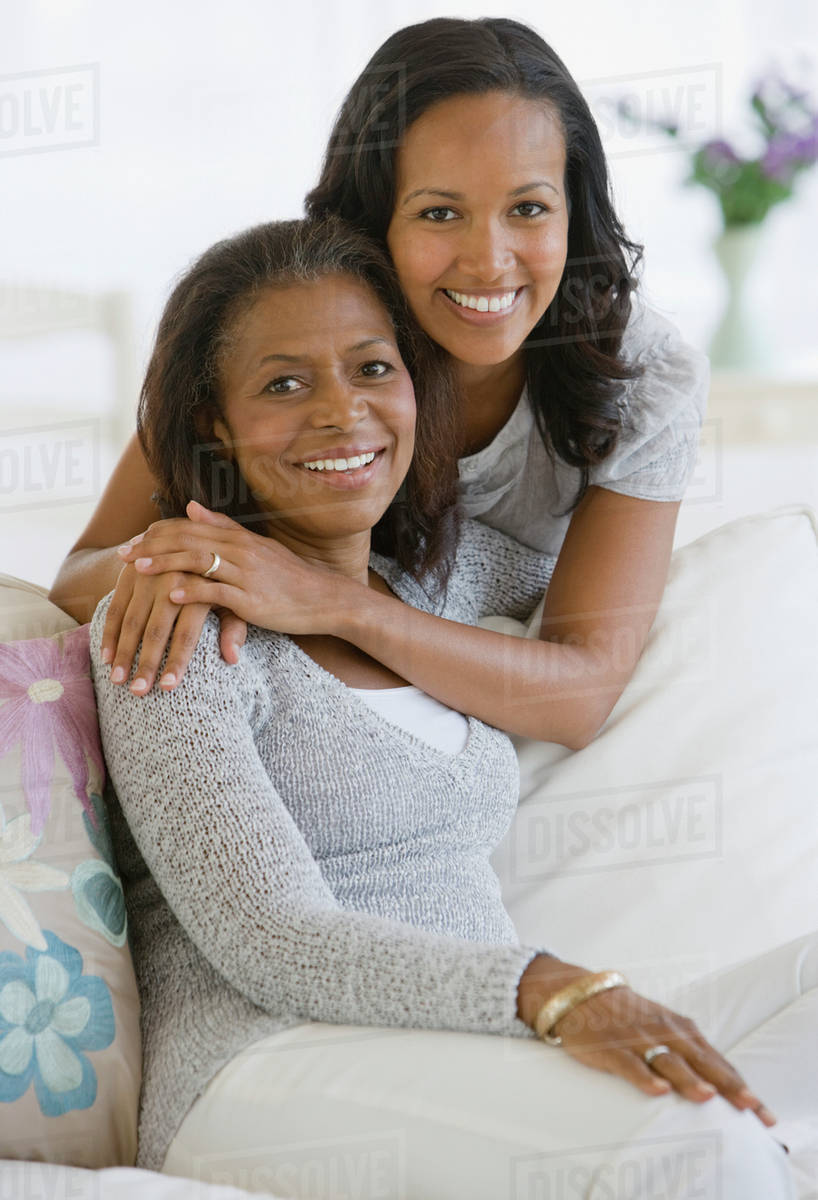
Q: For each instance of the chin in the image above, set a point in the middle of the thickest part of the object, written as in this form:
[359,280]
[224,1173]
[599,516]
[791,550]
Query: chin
[483,356]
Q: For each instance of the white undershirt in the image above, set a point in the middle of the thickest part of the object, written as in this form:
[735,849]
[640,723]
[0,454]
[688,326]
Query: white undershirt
[419,714]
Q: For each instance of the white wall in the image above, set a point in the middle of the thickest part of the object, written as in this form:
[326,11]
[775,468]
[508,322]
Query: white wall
[213,115]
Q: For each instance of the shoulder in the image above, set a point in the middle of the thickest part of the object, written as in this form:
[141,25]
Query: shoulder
[493,572]
[675,375]
[207,675]
[663,410]
[202,658]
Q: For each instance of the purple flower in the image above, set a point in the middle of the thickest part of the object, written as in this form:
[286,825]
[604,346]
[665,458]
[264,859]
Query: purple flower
[49,703]
[719,153]
[787,152]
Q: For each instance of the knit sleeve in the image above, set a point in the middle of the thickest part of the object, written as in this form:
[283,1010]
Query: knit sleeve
[494,574]
[240,878]
[664,409]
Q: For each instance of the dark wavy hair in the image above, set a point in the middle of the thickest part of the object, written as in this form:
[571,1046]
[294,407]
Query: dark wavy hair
[181,394]
[574,366]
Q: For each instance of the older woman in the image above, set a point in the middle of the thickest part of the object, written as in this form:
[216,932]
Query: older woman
[297,849]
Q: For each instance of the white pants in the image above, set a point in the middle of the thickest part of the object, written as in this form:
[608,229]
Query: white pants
[340,1112]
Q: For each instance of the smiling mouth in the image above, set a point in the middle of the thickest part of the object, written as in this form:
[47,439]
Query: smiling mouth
[482,303]
[340,464]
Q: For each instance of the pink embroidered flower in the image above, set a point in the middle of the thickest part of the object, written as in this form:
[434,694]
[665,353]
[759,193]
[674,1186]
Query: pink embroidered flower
[47,704]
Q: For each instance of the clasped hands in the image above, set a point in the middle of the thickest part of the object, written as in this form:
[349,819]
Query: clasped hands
[162,597]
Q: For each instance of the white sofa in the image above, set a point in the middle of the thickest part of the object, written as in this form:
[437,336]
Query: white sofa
[684,839]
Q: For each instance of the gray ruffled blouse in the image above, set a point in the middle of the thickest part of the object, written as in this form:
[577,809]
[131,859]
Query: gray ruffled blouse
[512,485]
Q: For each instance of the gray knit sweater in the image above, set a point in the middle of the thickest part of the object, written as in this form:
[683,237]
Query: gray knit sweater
[290,855]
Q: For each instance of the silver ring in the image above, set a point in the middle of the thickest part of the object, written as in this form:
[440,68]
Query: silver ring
[214,566]
[654,1052]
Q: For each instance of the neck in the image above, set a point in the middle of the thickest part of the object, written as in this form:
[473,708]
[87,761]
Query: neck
[492,387]
[488,396]
[346,555]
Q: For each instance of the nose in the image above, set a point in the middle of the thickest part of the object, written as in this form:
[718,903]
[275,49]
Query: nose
[339,404]
[486,251]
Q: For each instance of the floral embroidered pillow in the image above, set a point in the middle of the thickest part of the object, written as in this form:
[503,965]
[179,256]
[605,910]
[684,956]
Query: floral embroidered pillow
[70,1052]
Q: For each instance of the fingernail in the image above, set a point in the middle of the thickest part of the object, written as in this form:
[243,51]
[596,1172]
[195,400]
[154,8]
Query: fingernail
[766,1115]
[177,594]
[118,674]
[706,1089]
[167,680]
[137,537]
[747,1097]
[106,655]
[143,562]
[124,551]
[139,685]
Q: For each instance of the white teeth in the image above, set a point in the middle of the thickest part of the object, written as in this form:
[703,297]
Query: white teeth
[482,303]
[340,464]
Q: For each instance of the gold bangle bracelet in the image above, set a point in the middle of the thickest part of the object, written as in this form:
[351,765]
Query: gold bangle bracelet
[563,1001]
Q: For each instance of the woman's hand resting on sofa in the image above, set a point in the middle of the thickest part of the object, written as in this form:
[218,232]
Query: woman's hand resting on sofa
[140,611]
[612,1030]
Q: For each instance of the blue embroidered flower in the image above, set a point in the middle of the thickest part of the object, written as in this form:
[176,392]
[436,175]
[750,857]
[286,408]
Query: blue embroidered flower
[49,1013]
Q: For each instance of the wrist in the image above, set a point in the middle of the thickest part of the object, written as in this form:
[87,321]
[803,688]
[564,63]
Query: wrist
[563,1002]
[543,978]
[353,612]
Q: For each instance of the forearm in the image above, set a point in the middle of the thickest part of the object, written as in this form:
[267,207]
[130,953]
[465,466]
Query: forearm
[83,579]
[551,691]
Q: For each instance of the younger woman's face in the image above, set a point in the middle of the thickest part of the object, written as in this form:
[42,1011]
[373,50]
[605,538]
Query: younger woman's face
[479,234]
[318,409]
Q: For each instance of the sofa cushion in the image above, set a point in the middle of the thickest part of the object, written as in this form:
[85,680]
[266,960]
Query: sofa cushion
[26,611]
[70,1052]
[684,837]
[30,1181]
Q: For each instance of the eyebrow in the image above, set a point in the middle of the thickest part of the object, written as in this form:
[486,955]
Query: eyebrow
[527,187]
[301,358]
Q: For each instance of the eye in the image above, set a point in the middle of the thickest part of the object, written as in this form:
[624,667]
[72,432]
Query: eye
[283,385]
[376,369]
[529,208]
[438,215]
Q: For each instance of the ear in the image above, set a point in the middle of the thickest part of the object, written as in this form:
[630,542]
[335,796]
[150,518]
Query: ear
[222,434]
[211,427]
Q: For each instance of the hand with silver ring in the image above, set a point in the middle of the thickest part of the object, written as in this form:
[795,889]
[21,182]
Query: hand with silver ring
[624,1033]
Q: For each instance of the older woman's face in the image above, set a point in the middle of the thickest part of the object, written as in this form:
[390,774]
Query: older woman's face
[318,408]
[479,234]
